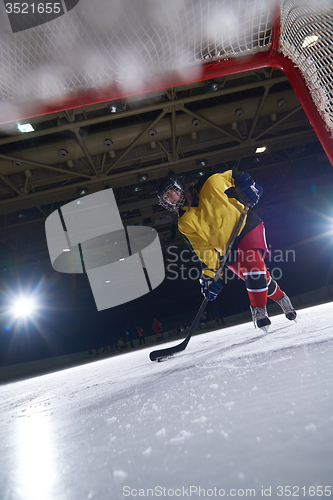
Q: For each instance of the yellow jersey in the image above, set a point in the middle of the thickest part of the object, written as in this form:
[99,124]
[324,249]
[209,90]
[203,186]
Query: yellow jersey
[210,225]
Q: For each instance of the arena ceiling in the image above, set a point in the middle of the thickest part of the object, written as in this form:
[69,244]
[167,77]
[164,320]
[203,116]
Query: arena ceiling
[131,143]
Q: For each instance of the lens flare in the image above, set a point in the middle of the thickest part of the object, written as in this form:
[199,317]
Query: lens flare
[23,307]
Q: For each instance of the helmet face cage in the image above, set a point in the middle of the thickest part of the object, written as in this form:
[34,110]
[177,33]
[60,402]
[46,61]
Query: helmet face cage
[172,184]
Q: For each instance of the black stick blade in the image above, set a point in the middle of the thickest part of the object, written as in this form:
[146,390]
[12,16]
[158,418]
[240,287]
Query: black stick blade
[161,354]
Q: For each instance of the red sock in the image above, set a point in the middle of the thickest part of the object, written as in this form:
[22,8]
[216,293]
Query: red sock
[255,275]
[274,291]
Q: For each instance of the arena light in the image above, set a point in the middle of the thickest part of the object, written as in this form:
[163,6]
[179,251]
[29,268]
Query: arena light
[142,177]
[25,127]
[116,107]
[23,307]
[261,149]
[212,87]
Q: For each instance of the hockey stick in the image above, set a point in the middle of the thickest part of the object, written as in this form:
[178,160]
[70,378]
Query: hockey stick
[160,354]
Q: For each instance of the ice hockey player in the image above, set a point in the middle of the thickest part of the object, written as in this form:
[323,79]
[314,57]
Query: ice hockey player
[208,212]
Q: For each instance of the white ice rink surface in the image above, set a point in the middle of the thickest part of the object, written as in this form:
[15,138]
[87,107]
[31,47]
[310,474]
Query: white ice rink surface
[226,416]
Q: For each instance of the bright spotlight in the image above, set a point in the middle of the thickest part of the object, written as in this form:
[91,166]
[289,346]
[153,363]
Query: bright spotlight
[25,127]
[23,307]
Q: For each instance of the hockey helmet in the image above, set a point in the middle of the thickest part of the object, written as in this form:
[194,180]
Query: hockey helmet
[171,192]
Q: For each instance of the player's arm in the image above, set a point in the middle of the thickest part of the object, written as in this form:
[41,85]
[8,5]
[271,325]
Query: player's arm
[209,258]
[246,189]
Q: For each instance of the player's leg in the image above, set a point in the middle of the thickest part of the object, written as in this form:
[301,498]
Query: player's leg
[275,293]
[254,271]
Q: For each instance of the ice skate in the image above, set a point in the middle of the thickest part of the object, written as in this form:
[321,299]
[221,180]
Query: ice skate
[287,307]
[260,318]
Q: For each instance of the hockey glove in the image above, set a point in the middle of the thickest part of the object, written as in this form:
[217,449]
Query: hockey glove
[210,288]
[248,191]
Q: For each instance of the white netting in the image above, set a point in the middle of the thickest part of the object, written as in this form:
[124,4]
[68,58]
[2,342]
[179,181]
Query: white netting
[307,39]
[102,42]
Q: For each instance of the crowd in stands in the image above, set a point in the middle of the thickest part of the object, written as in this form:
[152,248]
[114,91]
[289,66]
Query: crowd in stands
[126,341]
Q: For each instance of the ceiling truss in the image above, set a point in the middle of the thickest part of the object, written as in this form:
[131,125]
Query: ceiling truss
[186,129]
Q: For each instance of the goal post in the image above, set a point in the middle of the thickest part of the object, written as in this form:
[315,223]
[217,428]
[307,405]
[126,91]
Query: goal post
[172,44]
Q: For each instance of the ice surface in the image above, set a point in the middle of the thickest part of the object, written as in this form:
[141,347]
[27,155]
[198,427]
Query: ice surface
[227,415]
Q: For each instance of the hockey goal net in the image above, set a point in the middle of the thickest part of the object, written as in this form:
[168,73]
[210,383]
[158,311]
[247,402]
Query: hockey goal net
[100,51]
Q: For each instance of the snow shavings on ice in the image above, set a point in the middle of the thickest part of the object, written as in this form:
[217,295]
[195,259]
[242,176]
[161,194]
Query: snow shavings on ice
[120,475]
[236,409]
